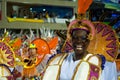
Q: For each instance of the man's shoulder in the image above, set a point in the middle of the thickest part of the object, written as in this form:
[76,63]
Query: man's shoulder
[56,57]
[99,59]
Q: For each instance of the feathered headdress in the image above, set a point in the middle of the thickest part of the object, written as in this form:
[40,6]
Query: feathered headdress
[99,33]
[84,25]
[81,22]
[83,6]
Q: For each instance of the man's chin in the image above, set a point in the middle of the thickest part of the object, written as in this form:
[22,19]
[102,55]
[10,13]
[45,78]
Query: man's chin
[79,51]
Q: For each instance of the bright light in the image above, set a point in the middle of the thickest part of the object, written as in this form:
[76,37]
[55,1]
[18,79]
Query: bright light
[44,9]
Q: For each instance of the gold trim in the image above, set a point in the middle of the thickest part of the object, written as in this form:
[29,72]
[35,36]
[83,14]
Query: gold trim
[83,60]
[2,71]
[13,54]
[76,70]
[99,59]
[57,56]
[99,70]
[33,65]
[77,67]
[99,65]
[4,68]
[81,16]
[54,58]
[58,75]
[62,57]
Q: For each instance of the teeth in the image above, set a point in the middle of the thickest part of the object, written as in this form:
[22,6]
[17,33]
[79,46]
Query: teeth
[79,48]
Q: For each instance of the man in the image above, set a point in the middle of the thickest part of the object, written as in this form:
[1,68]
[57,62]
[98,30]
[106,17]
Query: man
[79,64]
[29,70]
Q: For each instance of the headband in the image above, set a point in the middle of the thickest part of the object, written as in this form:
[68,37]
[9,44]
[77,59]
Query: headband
[81,25]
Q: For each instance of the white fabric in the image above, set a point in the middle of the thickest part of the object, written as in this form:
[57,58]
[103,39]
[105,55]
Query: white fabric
[94,60]
[68,67]
[109,72]
[51,72]
[3,78]
[82,71]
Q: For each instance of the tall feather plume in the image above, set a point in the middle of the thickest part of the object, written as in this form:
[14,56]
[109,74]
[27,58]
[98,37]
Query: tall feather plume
[80,6]
[83,5]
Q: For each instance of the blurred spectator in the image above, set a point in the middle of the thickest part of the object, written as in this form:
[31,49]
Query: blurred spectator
[53,17]
[40,15]
[44,16]
[13,14]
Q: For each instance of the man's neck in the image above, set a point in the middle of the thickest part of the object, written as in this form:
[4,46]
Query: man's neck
[79,56]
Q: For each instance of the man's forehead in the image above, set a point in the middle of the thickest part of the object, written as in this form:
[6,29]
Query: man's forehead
[80,32]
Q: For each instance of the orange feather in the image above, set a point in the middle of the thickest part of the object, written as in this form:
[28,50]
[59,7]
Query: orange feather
[53,43]
[83,5]
[80,6]
[17,43]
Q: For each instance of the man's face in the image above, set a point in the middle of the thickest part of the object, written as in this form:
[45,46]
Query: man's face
[80,41]
[33,52]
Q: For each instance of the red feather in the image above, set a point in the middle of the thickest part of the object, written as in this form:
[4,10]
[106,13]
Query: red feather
[80,6]
[83,5]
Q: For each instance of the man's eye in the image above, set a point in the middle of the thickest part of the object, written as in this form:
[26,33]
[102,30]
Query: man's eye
[74,37]
[84,38]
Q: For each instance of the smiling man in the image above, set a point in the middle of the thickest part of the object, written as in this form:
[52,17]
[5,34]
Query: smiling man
[78,64]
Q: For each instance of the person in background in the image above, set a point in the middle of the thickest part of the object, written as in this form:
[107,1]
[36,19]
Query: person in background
[29,70]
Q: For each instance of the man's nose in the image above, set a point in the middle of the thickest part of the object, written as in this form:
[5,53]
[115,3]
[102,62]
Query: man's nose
[79,39]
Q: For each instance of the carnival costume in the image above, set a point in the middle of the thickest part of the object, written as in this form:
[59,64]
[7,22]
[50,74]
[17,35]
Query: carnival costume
[7,57]
[14,59]
[103,50]
[43,48]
